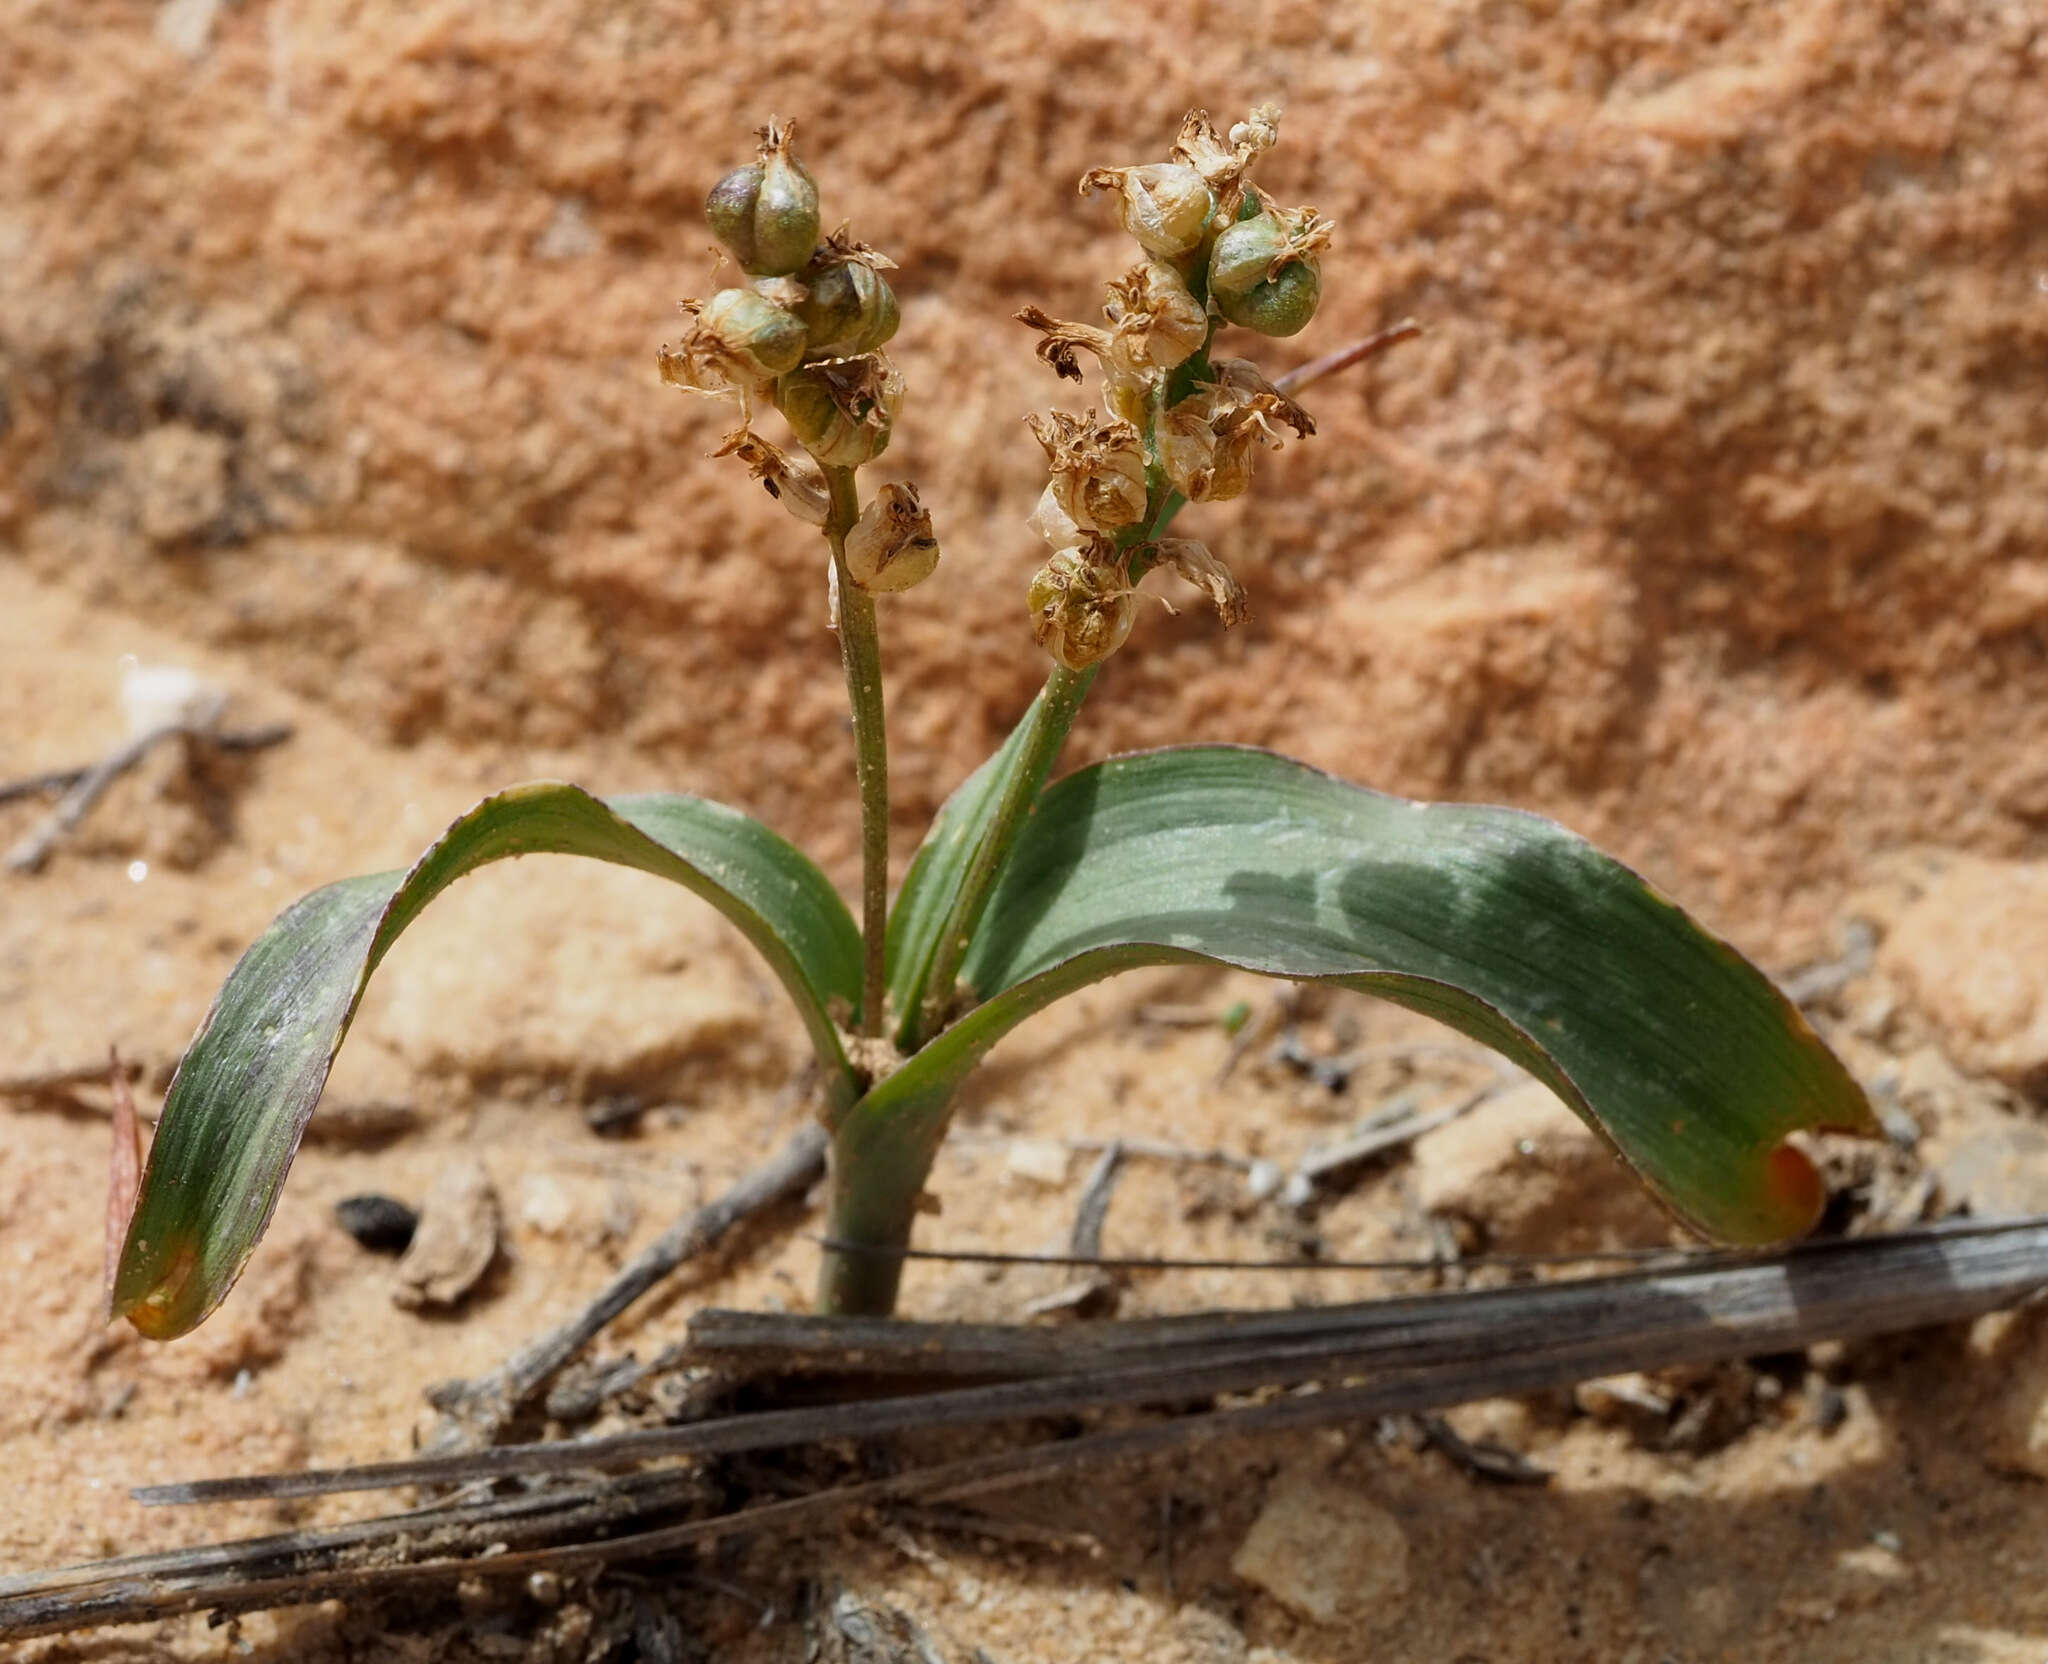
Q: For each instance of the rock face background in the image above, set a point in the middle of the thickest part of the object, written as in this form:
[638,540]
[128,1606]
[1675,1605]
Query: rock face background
[1711,515]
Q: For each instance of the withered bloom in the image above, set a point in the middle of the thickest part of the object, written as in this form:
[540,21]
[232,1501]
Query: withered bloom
[798,488]
[1097,468]
[891,547]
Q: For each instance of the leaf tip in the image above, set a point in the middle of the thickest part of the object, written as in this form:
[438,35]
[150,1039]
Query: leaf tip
[1797,1188]
[171,1302]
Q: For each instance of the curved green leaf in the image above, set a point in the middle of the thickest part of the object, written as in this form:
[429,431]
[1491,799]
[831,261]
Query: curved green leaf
[247,1085]
[937,871]
[954,874]
[1499,923]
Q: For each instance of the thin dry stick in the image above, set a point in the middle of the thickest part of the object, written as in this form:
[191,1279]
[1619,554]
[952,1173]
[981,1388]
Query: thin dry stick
[1565,1331]
[89,785]
[42,1083]
[1084,1242]
[1483,1461]
[475,1412]
[1344,357]
[1381,1135]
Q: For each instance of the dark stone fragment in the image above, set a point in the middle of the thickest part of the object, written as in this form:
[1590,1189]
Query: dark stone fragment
[382,1224]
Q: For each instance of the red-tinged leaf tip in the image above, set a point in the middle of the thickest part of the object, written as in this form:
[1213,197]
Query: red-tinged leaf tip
[124,1171]
[164,1311]
[1798,1186]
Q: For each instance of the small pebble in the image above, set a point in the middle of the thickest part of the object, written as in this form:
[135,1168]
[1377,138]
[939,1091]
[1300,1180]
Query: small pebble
[382,1224]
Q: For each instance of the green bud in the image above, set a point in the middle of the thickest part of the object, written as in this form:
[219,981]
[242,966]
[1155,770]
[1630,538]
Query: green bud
[1263,272]
[766,213]
[754,330]
[850,308]
[1082,606]
[842,412]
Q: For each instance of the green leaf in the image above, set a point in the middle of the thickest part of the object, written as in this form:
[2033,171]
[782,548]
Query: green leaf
[245,1089]
[1503,925]
[939,868]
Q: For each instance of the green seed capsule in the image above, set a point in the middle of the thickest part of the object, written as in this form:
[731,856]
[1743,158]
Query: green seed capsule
[754,330]
[842,412]
[850,309]
[1242,255]
[1282,307]
[1263,273]
[766,213]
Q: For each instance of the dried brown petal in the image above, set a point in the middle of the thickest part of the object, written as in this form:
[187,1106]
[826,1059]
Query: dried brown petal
[1252,399]
[1063,340]
[1222,162]
[799,488]
[1194,562]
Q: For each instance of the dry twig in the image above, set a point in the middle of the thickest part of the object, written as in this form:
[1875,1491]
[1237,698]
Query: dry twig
[86,786]
[1404,1356]
[473,1413]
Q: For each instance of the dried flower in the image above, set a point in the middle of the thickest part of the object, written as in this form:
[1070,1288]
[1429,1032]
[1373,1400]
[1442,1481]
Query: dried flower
[766,213]
[1194,562]
[1156,320]
[1263,272]
[1165,205]
[1063,341]
[891,546]
[1082,605]
[1187,447]
[842,411]
[1224,163]
[1244,398]
[1098,470]
[799,488]
[1208,441]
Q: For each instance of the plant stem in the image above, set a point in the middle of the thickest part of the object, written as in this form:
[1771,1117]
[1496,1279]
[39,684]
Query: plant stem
[860,648]
[1051,717]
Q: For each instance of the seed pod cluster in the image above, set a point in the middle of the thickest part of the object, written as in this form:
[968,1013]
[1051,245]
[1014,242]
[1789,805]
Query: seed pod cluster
[1179,425]
[1211,241]
[807,328]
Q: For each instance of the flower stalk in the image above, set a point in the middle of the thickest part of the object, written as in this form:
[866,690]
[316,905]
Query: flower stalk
[860,650]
